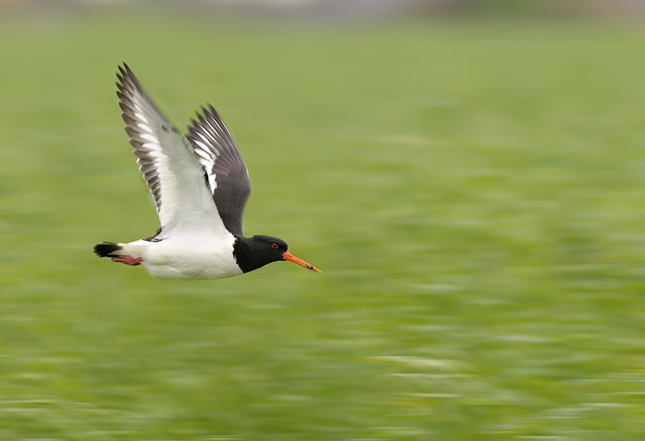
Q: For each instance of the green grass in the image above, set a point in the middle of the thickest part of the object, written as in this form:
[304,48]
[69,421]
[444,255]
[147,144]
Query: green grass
[474,195]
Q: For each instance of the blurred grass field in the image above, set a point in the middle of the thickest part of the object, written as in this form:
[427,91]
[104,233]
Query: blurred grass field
[474,195]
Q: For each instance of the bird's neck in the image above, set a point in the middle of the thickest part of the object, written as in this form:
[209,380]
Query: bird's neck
[245,253]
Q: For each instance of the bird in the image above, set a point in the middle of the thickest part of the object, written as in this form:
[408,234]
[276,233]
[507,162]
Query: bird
[199,184]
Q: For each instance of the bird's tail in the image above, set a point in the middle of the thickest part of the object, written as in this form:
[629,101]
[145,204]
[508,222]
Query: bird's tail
[107,249]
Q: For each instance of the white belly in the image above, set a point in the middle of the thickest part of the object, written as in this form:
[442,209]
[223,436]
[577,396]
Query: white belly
[189,257]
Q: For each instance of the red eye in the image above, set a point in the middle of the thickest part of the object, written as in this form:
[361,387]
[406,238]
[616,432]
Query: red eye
[274,246]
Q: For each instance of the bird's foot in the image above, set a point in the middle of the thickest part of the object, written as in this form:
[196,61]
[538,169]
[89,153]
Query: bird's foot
[128,260]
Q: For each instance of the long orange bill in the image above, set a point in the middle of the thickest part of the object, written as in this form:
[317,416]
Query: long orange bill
[288,256]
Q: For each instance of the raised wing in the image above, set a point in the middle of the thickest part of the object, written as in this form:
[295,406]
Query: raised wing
[172,171]
[227,175]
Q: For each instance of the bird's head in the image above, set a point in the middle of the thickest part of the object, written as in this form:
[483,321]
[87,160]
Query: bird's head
[260,250]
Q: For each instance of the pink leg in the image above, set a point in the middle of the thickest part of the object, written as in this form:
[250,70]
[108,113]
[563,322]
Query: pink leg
[128,260]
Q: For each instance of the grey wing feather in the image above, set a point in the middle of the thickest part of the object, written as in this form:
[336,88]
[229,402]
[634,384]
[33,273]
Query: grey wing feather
[167,160]
[132,100]
[226,172]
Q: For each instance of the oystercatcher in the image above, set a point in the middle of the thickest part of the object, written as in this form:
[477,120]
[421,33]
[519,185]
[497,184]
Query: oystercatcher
[200,185]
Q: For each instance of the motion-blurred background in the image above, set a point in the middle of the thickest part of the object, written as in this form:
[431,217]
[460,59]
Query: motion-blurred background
[469,175]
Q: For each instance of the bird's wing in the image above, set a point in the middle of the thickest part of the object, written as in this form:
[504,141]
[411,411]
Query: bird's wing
[173,172]
[227,176]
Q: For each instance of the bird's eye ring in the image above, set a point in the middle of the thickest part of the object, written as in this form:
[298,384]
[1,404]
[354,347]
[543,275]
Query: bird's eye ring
[274,246]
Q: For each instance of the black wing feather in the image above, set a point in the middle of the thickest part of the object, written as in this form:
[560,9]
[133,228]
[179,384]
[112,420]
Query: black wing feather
[226,172]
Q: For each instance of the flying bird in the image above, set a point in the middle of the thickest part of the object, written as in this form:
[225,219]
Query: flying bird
[200,185]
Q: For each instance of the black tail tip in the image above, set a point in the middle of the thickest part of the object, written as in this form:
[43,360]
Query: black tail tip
[106,249]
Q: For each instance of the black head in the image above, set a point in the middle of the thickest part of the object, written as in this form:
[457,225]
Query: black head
[255,252]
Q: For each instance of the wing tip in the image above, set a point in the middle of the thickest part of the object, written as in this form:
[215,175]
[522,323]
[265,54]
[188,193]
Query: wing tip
[124,69]
[207,110]
[126,80]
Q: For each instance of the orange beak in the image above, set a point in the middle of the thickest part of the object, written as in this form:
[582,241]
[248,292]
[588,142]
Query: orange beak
[288,256]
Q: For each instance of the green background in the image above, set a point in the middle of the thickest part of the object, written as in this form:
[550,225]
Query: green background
[473,193]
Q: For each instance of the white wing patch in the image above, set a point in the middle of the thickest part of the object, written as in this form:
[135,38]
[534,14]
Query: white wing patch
[174,174]
[207,155]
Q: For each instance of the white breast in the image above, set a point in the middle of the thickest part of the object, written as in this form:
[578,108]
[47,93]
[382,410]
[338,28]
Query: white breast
[191,257]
